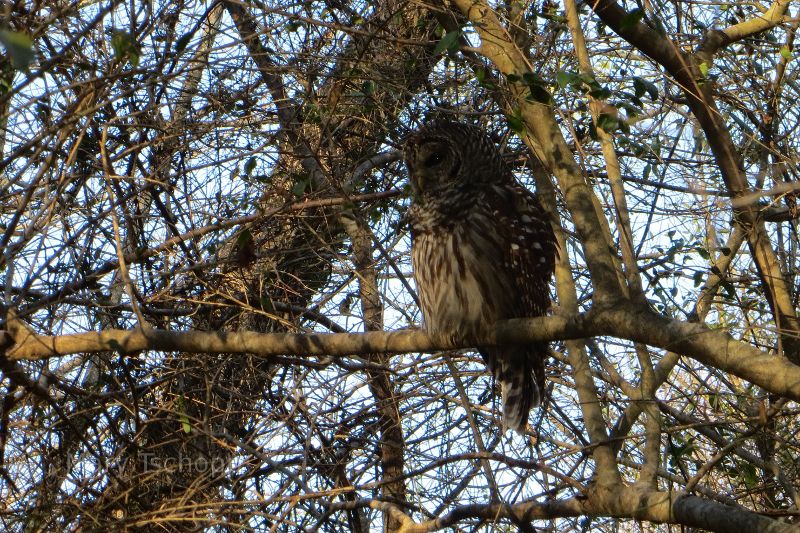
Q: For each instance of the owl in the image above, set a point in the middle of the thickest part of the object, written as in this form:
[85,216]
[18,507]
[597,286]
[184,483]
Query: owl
[482,250]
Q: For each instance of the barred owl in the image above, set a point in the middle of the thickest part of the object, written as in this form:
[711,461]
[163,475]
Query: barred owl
[482,251]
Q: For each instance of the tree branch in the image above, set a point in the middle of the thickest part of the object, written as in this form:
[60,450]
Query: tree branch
[627,502]
[685,70]
[717,39]
[716,348]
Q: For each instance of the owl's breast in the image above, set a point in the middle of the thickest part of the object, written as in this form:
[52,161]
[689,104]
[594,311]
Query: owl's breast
[461,292]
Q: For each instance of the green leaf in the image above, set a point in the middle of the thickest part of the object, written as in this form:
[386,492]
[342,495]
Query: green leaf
[703,68]
[786,52]
[181,404]
[641,86]
[537,87]
[448,43]
[368,87]
[591,86]
[244,238]
[375,215]
[19,46]
[539,94]
[598,92]
[630,20]
[531,78]
[480,76]
[183,42]
[730,292]
[299,188]
[125,46]
[516,123]
[630,109]
[120,41]
[250,165]
[565,79]
[749,475]
[608,122]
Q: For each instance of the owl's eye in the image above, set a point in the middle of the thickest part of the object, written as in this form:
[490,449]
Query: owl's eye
[434,159]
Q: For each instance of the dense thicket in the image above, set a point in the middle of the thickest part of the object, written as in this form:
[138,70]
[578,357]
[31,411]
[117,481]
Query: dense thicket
[195,188]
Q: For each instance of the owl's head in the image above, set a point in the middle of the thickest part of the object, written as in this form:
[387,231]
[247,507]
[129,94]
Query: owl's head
[444,155]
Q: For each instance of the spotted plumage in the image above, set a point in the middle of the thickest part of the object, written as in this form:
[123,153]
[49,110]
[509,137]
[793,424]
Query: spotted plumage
[482,251]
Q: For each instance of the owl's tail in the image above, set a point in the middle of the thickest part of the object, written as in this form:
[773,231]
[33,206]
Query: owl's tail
[520,373]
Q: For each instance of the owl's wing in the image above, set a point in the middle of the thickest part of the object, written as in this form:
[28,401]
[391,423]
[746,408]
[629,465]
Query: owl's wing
[537,249]
[530,249]
[528,259]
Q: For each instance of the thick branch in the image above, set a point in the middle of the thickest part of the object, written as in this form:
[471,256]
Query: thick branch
[715,348]
[628,502]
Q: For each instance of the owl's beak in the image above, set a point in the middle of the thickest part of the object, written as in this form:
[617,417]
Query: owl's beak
[418,184]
